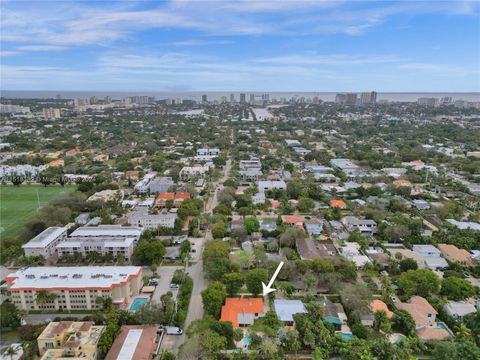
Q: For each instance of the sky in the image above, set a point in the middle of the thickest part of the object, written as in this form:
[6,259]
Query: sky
[262,45]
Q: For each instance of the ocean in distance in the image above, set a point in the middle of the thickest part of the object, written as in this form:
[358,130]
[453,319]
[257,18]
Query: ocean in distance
[216,95]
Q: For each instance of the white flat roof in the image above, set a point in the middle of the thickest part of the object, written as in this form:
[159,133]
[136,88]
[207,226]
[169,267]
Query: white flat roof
[45,238]
[71,277]
[107,230]
[130,344]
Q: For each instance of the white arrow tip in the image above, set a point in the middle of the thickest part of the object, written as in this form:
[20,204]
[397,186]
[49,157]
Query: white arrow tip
[266,289]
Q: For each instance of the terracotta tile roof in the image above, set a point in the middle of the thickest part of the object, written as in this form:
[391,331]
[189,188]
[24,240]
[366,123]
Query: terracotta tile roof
[428,333]
[379,305]
[55,163]
[418,308]
[453,253]
[292,219]
[402,182]
[235,306]
[166,196]
[182,196]
[276,203]
[416,162]
[334,203]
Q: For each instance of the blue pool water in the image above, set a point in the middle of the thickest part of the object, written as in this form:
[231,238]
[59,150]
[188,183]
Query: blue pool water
[246,341]
[346,336]
[441,325]
[138,303]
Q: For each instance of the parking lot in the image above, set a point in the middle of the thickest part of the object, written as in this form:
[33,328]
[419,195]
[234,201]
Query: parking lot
[165,274]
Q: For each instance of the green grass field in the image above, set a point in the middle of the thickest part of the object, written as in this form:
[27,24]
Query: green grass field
[18,203]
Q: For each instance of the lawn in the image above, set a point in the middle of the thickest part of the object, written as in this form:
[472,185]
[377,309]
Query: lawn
[18,203]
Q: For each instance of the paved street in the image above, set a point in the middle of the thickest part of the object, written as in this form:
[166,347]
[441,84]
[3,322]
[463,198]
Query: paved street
[195,309]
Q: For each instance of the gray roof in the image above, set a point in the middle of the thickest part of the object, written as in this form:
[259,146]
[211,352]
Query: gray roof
[285,309]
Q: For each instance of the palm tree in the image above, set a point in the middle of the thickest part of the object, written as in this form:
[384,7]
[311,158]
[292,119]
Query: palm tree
[463,331]
[11,351]
[44,297]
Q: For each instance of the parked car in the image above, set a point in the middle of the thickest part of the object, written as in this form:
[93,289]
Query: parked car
[174,286]
[173,330]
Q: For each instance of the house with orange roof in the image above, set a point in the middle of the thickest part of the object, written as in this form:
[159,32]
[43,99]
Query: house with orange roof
[176,198]
[417,162]
[338,203]
[379,305]
[402,183]
[73,152]
[242,311]
[294,220]
[424,316]
[454,254]
[368,318]
[100,157]
[56,163]
[276,203]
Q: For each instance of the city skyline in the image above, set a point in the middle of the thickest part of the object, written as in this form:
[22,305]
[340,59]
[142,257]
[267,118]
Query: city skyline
[250,46]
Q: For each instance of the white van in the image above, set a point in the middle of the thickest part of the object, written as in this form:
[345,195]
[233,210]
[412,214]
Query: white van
[173,330]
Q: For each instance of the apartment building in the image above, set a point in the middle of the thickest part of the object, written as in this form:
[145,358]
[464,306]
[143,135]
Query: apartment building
[103,239]
[252,163]
[70,339]
[271,185]
[51,113]
[74,287]
[142,218]
[190,172]
[208,152]
[44,244]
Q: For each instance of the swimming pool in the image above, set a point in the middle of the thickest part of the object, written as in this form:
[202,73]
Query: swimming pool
[346,336]
[246,341]
[138,303]
[442,325]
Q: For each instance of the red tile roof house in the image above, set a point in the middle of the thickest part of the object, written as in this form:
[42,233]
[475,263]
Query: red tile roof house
[424,316]
[335,203]
[294,220]
[176,198]
[73,152]
[242,311]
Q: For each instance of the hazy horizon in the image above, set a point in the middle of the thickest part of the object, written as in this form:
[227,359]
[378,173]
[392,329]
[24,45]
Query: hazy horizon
[216,95]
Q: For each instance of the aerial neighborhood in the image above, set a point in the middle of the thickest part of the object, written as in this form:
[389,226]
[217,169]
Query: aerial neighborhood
[139,228]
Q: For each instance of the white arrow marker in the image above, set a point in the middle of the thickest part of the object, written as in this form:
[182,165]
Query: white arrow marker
[268,288]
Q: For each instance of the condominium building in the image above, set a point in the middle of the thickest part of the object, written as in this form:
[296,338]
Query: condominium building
[252,163]
[70,339]
[113,239]
[207,151]
[51,113]
[142,218]
[73,287]
[44,244]
[188,172]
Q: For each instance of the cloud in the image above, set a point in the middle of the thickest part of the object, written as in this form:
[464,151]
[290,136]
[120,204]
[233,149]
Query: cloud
[5,53]
[198,42]
[81,24]
[41,48]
